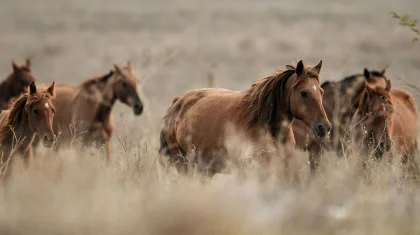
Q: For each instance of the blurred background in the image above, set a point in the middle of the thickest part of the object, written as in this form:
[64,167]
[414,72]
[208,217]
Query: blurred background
[180,45]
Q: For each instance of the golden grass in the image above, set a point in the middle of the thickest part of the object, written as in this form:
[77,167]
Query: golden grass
[70,193]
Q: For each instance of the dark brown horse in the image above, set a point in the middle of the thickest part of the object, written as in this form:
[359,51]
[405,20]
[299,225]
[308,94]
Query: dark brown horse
[385,118]
[199,120]
[30,115]
[15,84]
[84,112]
[340,101]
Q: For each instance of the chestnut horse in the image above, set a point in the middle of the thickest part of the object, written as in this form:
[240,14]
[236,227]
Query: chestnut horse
[340,101]
[197,121]
[31,114]
[84,112]
[15,84]
[386,118]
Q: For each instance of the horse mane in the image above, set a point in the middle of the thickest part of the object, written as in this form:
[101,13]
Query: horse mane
[95,80]
[14,113]
[262,99]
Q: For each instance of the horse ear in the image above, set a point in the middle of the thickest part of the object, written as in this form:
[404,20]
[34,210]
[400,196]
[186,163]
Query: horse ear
[117,68]
[15,66]
[299,68]
[32,88]
[28,63]
[317,68]
[383,71]
[366,73]
[388,85]
[129,64]
[51,89]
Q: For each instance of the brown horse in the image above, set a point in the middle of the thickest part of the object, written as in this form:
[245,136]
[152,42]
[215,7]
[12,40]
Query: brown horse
[197,121]
[340,101]
[15,84]
[31,114]
[84,112]
[384,119]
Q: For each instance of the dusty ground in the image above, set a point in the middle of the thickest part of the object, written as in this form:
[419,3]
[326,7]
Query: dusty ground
[176,46]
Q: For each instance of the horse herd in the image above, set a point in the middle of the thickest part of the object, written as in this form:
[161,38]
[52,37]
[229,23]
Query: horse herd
[287,110]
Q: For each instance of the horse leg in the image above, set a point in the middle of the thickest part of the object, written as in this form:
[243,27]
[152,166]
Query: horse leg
[108,151]
[314,157]
[411,163]
[27,157]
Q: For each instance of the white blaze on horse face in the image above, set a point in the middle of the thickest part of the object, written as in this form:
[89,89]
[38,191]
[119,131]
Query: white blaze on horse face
[46,105]
[314,87]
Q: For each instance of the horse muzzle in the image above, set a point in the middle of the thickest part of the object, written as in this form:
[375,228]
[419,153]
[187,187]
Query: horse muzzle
[138,108]
[385,146]
[48,140]
[322,129]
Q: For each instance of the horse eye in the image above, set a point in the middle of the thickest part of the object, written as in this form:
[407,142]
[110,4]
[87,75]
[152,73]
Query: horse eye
[35,111]
[124,84]
[304,95]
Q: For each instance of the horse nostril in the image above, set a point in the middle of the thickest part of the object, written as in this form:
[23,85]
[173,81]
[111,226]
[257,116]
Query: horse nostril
[385,146]
[321,130]
[48,138]
[382,145]
[138,108]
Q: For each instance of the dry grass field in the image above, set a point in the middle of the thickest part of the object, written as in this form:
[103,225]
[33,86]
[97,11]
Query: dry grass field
[176,46]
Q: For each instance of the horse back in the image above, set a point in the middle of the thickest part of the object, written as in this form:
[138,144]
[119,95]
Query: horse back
[406,99]
[200,115]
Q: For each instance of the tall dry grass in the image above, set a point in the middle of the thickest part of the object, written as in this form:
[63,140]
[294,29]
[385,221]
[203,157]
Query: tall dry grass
[74,193]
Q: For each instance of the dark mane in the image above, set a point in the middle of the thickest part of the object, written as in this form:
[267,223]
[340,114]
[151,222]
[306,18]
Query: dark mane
[91,85]
[95,80]
[13,117]
[265,97]
[377,74]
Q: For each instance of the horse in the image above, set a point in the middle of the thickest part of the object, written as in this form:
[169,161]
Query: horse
[15,84]
[30,115]
[198,120]
[340,101]
[84,112]
[386,119]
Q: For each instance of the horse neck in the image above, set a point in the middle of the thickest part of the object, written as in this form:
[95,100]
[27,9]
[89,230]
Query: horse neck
[275,126]
[20,135]
[104,111]
[284,113]
[105,107]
